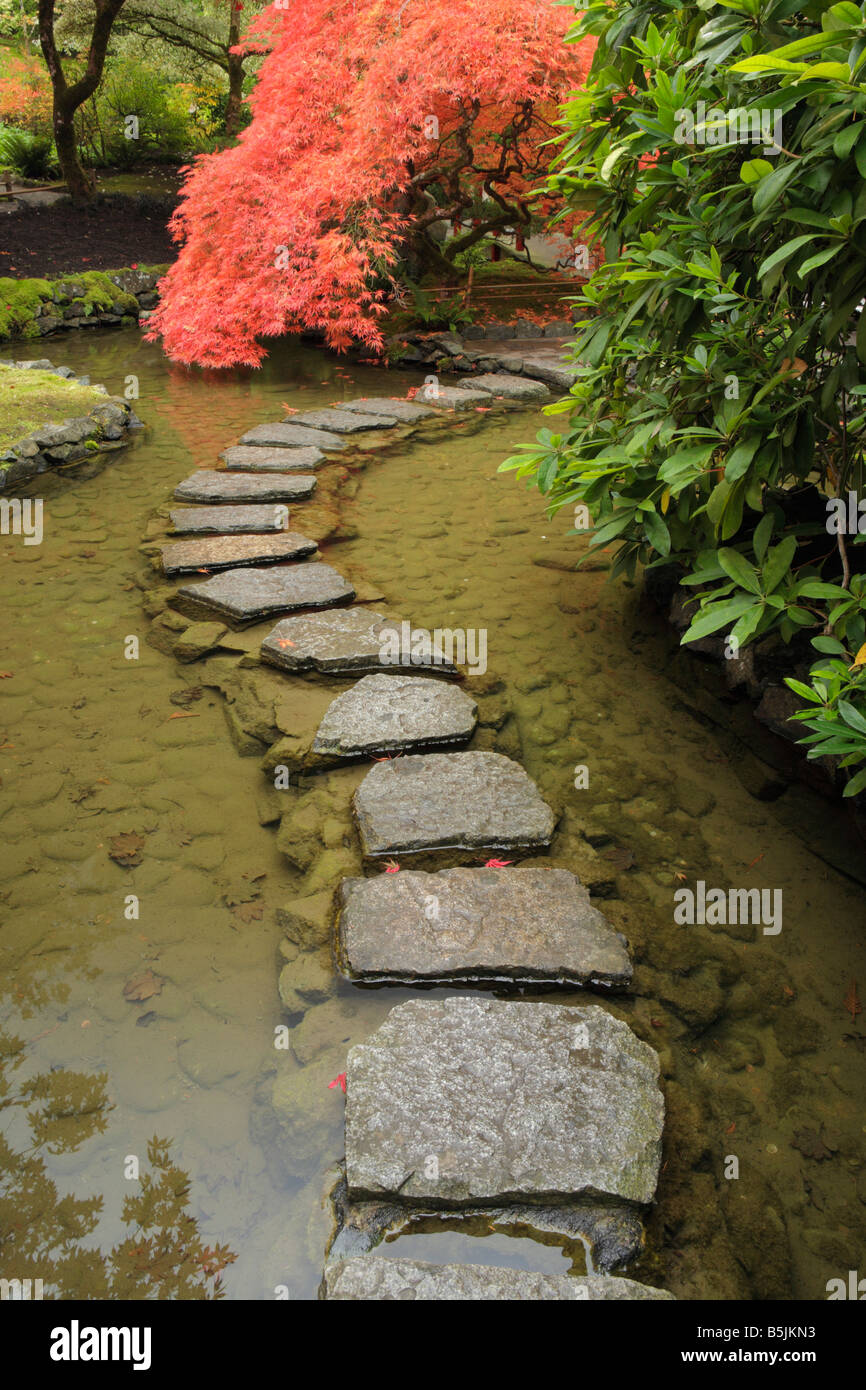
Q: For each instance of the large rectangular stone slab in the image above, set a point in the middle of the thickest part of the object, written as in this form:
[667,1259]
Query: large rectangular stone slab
[471,1101]
[210,485]
[471,926]
[550,371]
[376,1279]
[346,641]
[246,458]
[342,421]
[464,801]
[286,435]
[511,388]
[388,713]
[229,520]
[404,412]
[247,595]
[224,552]
[453,397]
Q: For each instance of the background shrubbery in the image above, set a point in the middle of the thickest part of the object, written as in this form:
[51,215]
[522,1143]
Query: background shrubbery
[721,400]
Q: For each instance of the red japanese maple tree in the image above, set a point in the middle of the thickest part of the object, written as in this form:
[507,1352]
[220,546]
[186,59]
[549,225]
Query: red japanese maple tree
[373,120]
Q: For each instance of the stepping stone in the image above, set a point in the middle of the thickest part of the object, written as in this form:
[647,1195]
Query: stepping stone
[349,640]
[384,713]
[246,595]
[466,801]
[511,387]
[341,421]
[405,412]
[512,1099]
[220,520]
[455,398]
[222,552]
[289,436]
[472,925]
[376,1279]
[207,485]
[545,369]
[245,458]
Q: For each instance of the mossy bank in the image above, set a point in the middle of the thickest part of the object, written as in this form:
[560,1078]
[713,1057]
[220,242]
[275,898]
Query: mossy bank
[39,308]
[49,418]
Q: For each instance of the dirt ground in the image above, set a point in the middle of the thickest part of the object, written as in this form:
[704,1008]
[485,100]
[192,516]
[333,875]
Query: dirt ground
[55,238]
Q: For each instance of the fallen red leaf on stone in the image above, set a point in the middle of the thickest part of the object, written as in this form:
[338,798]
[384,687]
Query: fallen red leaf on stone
[338,1081]
[391,866]
[498,863]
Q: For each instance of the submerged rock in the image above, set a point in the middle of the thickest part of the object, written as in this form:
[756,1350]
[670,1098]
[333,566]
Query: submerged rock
[455,398]
[243,595]
[471,1100]
[451,801]
[209,485]
[465,925]
[389,712]
[197,640]
[349,640]
[376,1278]
[224,552]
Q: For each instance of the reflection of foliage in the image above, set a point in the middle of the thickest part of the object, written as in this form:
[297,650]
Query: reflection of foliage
[41,1232]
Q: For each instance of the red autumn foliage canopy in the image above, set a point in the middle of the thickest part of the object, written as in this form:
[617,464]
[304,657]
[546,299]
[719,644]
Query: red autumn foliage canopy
[373,120]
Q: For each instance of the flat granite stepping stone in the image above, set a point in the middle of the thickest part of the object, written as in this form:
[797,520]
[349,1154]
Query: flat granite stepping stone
[477,925]
[348,640]
[341,421]
[223,552]
[377,1279]
[246,595]
[404,412]
[285,435]
[513,388]
[246,458]
[383,713]
[455,398]
[461,801]
[552,372]
[513,1100]
[208,485]
[222,520]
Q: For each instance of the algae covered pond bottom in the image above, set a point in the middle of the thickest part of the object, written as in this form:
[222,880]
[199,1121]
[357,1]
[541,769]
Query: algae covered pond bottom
[148,899]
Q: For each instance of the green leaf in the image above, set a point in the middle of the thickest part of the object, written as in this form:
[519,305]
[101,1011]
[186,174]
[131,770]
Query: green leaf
[820,259]
[658,533]
[856,784]
[736,567]
[740,458]
[783,253]
[778,563]
[761,538]
[853,718]
[803,691]
[816,588]
[717,615]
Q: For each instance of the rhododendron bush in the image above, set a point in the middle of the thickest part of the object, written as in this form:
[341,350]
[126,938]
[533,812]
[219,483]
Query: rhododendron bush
[372,123]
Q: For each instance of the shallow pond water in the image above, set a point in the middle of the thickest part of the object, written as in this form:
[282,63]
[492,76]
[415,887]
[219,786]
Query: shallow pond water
[761,1062]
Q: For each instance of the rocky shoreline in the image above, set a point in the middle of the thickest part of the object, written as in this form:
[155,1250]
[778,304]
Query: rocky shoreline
[104,428]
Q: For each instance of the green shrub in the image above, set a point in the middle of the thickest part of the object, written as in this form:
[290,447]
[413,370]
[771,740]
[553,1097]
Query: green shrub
[28,155]
[719,405]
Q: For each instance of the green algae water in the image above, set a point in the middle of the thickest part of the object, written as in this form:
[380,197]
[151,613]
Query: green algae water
[144,902]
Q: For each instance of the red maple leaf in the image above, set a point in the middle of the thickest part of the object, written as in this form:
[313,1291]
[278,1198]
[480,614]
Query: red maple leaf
[338,1081]
[498,863]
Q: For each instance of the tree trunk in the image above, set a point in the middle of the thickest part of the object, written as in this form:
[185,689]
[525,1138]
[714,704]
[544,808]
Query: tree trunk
[235,71]
[67,99]
[76,179]
[236,87]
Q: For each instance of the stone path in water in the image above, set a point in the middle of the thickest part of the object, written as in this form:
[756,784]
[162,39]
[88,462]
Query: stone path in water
[540,1117]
